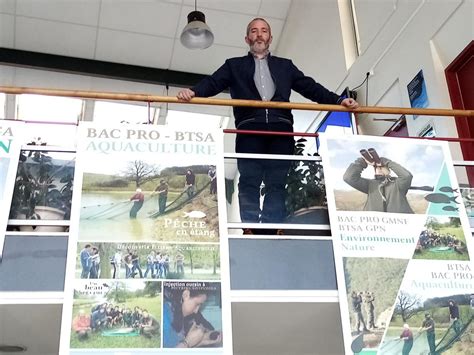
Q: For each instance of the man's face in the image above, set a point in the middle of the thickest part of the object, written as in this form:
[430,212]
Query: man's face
[259,37]
[382,170]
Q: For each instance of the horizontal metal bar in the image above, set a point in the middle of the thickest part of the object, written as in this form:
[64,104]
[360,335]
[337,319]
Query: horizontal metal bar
[48,148]
[286,296]
[39,222]
[272,157]
[31,297]
[236,225]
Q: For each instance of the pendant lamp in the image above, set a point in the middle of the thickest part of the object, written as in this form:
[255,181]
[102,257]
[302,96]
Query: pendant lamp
[196,34]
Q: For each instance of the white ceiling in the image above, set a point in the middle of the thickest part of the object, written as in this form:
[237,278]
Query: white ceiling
[137,32]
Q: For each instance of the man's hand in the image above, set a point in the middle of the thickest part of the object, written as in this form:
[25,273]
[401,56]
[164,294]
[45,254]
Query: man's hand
[186,94]
[350,103]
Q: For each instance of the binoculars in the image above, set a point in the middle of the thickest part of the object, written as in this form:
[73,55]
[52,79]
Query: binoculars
[371,156]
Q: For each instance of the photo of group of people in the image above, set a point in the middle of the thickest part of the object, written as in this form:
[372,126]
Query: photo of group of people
[116,314]
[363,302]
[148,261]
[372,286]
[443,239]
[438,325]
[142,200]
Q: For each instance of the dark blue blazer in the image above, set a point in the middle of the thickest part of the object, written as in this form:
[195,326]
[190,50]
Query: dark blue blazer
[237,74]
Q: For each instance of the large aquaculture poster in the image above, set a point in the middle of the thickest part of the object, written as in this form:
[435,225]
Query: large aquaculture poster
[11,139]
[145,262]
[402,246]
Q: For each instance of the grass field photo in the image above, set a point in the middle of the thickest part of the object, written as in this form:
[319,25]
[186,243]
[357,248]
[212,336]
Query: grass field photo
[120,315]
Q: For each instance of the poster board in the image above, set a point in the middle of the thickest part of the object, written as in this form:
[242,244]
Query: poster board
[11,139]
[146,254]
[402,245]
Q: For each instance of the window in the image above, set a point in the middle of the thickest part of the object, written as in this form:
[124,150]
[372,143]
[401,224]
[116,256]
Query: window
[180,119]
[51,109]
[119,113]
[2,105]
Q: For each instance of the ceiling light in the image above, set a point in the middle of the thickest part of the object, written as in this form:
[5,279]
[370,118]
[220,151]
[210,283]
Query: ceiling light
[196,34]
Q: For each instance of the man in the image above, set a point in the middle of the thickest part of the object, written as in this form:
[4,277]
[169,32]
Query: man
[180,263]
[135,265]
[162,191]
[454,316]
[95,263]
[190,183]
[81,325]
[407,337]
[99,319]
[116,261]
[213,178]
[369,300]
[262,76]
[385,193]
[428,325]
[138,198]
[150,264]
[86,263]
[149,326]
[357,308]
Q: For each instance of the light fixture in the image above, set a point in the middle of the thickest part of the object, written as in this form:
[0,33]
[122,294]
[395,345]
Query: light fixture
[196,34]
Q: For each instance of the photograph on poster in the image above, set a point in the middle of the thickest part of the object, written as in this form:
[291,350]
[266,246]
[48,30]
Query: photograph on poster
[468,200]
[192,315]
[384,177]
[442,239]
[372,285]
[422,323]
[136,200]
[148,261]
[112,314]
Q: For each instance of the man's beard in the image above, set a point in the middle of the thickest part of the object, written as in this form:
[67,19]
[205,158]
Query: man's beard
[259,48]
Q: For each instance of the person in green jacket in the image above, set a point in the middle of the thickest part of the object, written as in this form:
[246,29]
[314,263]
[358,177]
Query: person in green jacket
[385,193]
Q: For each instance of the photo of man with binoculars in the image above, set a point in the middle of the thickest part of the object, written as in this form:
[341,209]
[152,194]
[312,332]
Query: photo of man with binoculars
[385,192]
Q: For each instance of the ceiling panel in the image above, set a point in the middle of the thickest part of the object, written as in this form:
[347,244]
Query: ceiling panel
[7,26]
[55,37]
[135,49]
[204,61]
[149,17]
[241,6]
[132,87]
[74,11]
[41,78]
[7,6]
[274,8]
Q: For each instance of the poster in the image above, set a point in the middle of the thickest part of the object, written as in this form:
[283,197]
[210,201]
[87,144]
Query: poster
[11,140]
[145,262]
[417,92]
[402,245]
